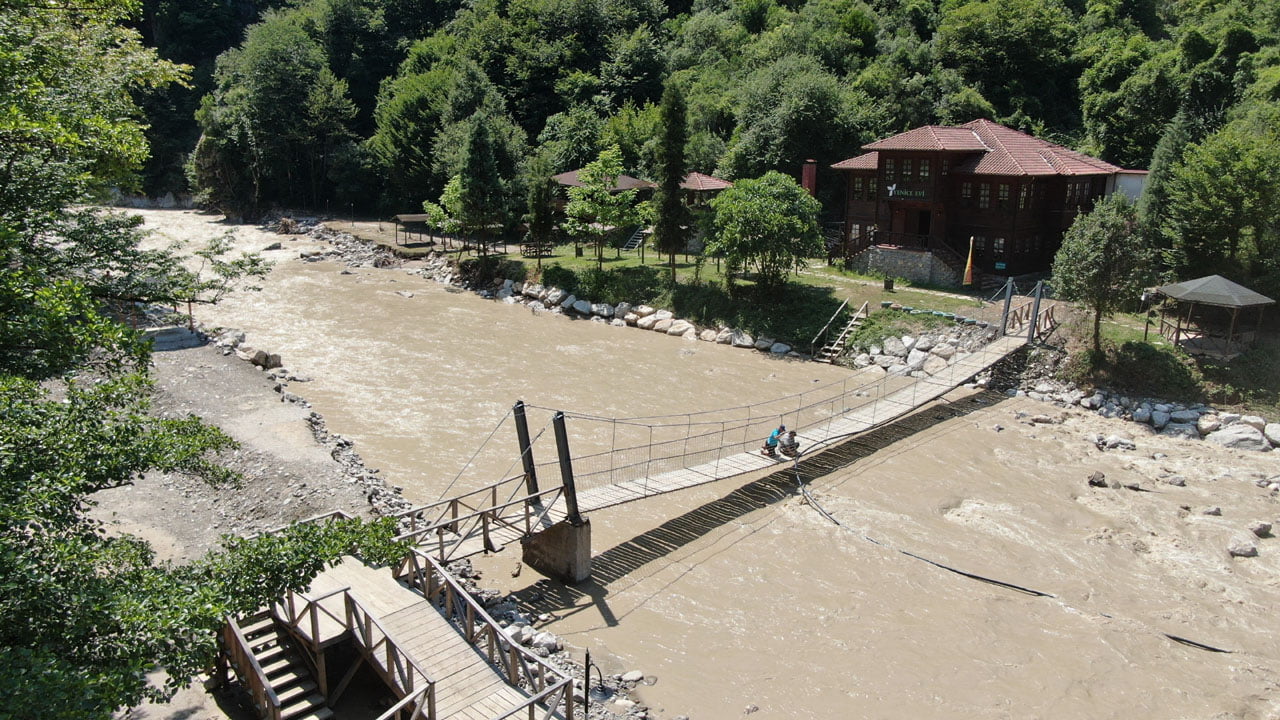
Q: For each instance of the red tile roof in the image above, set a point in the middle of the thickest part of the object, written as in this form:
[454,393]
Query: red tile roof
[1016,153]
[931,137]
[997,150]
[698,182]
[865,161]
[624,182]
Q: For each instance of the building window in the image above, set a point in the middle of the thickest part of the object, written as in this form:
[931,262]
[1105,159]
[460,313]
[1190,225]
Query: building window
[871,188]
[979,244]
[984,195]
[997,245]
[1004,194]
[924,169]
[907,170]
[946,167]
[1024,197]
[888,169]
[857,188]
[966,192]
[855,231]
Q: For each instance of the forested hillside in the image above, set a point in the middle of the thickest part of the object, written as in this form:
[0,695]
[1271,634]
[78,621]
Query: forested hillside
[368,104]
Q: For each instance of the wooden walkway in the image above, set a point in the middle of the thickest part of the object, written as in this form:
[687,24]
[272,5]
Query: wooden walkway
[467,686]
[875,411]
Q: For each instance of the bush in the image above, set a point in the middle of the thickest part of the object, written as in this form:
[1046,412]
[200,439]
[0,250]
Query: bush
[561,277]
[484,270]
[639,284]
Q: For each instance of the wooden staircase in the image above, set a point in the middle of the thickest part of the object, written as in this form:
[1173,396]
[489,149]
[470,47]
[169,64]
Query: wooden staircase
[285,670]
[636,239]
[835,343]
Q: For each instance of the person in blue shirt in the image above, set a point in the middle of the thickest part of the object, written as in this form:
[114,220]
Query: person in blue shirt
[771,445]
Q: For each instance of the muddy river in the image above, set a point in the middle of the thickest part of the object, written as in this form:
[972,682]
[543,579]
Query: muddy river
[740,597]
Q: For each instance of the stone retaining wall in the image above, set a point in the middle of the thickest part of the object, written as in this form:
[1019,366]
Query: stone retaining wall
[917,266]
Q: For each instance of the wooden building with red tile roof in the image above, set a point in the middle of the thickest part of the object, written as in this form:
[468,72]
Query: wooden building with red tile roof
[932,188]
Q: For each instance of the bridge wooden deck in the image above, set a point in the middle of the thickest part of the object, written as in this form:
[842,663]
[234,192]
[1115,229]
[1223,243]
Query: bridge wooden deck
[468,687]
[897,397]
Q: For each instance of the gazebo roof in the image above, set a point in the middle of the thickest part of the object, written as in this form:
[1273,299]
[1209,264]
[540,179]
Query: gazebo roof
[1215,290]
[698,182]
[622,184]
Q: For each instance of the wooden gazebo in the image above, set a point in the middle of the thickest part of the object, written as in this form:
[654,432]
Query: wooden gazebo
[1205,316]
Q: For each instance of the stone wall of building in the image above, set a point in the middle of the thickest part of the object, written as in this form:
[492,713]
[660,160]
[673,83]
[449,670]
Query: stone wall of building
[917,266]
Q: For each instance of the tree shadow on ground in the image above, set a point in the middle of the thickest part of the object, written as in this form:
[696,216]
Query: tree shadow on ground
[619,561]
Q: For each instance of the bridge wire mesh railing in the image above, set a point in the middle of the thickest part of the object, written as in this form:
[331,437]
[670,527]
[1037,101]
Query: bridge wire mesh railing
[635,450]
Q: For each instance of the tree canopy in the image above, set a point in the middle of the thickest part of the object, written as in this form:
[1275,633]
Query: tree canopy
[769,224]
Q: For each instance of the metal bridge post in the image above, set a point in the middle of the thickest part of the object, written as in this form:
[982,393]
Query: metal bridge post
[566,470]
[526,448]
[1035,313]
[1008,300]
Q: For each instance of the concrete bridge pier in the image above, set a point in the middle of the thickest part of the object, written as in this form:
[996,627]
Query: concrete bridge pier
[563,550]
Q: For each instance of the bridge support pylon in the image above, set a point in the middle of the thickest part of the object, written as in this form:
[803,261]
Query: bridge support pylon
[564,549]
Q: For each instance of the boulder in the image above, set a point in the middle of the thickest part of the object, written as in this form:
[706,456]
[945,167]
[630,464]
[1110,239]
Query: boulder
[679,327]
[1208,423]
[893,346]
[779,348]
[664,315]
[509,299]
[1098,479]
[946,351]
[690,334]
[533,290]
[621,309]
[646,322]
[1160,418]
[1253,421]
[643,310]
[885,361]
[926,343]
[633,676]
[1242,547]
[1142,415]
[252,355]
[862,360]
[1241,436]
[1229,418]
[1261,528]
[567,301]
[546,641]
[1213,511]
[604,310]
[1181,430]
[1271,431]
[554,296]
[908,342]
[740,339]
[1184,416]
[536,306]
[618,322]
[934,365]
[663,324]
[875,350]
[631,319]
[916,358]
[725,336]
[1163,407]
[582,307]
[764,343]
[708,335]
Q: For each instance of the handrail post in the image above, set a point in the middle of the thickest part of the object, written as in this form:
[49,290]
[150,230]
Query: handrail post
[566,470]
[1008,299]
[1035,313]
[526,448]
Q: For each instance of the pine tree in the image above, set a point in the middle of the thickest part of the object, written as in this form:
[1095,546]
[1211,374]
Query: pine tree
[672,216]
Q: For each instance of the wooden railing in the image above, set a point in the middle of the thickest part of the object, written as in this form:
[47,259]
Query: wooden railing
[550,688]
[249,671]
[1020,319]
[463,520]
[822,334]
[397,668]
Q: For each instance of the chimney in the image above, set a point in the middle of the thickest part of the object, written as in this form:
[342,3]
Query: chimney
[809,178]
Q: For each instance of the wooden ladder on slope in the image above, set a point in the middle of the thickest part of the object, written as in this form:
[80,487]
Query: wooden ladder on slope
[832,349]
[285,671]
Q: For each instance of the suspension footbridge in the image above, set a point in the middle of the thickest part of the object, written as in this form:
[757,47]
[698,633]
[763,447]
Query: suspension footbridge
[634,458]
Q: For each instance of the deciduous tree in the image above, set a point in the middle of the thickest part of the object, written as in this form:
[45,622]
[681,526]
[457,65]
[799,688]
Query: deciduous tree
[769,223]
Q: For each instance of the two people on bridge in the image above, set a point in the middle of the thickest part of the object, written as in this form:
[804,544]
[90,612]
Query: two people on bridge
[782,440]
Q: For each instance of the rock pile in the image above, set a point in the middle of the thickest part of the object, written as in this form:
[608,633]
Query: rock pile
[1194,422]
[928,354]
[556,301]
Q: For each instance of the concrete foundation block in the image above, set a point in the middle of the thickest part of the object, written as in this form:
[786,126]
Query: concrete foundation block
[562,551]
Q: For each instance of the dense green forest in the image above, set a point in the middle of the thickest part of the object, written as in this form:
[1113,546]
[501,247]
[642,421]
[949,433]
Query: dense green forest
[368,105]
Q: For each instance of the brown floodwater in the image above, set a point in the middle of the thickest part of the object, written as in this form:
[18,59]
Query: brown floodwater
[740,595]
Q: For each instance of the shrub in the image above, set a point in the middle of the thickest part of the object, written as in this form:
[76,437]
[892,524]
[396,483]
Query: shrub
[561,277]
[484,270]
[631,284]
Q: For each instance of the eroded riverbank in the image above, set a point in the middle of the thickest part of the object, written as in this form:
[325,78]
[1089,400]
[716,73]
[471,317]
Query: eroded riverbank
[738,594]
